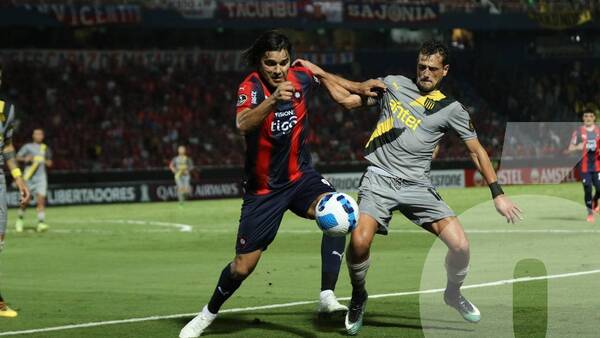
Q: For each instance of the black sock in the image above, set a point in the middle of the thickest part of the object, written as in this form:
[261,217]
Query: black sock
[332,251]
[358,291]
[225,288]
[1,299]
[453,289]
[587,189]
[328,280]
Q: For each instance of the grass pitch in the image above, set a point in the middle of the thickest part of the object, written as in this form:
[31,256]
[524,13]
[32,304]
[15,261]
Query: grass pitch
[116,262]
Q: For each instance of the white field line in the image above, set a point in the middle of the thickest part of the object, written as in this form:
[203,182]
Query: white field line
[274,306]
[181,227]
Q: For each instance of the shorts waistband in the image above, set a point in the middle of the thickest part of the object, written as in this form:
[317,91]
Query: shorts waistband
[385,173]
[380,171]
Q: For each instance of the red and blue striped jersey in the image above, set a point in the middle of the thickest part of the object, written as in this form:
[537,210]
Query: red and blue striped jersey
[277,152]
[590,139]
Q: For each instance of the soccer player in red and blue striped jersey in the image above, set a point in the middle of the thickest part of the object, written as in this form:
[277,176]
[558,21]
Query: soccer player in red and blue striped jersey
[585,139]
[272,114]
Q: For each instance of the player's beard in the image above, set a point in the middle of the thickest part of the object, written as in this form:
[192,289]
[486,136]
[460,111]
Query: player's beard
[425,90]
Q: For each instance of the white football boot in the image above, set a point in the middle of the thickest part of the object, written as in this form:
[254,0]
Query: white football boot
[329,304]
[196,326]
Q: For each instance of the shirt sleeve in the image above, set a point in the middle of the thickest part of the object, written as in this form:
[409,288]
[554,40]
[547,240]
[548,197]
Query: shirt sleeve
[460,121]
[245,98]
[378,100]
[24,151]
[10,125]
[575,138]
[314,81]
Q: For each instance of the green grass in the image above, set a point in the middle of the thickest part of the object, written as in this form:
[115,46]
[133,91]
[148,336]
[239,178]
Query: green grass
[90,268]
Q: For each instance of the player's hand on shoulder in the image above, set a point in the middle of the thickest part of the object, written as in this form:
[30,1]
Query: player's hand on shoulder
[316,70]
[508,209]
[372,88]
[284,91]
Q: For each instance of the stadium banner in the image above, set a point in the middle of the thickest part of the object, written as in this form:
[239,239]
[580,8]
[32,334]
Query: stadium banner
[194,9]
[349,182]
[390,12]
[515,176]
[159,191]
[89,15]
[448,178]
[222,60]
[269,9]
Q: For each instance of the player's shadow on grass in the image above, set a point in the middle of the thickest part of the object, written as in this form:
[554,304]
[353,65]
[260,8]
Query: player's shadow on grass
[335,323]
[561,218]
[228,325]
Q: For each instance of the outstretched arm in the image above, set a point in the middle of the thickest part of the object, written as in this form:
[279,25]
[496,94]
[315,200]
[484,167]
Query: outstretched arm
[348,94]
[503,204]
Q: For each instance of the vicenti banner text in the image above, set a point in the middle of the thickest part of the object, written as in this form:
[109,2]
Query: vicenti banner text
[90,15]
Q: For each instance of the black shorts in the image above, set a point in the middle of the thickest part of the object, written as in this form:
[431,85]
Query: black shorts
[262,214]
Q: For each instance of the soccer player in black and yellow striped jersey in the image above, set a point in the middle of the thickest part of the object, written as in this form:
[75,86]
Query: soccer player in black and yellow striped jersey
[37,157]
[7,118]
[180,166]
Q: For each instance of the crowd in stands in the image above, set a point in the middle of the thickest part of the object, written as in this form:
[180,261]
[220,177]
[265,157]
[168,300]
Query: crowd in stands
[494,6]
[132,116]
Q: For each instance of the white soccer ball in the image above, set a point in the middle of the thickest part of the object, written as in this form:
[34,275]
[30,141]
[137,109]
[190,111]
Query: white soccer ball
[337,214]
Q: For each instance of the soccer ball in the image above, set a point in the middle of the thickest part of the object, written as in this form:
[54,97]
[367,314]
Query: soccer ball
[337,214]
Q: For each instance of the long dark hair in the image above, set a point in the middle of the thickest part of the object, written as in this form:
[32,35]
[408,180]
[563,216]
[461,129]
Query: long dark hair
[268,41]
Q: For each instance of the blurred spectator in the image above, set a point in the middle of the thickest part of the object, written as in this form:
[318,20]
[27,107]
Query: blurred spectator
[133,116]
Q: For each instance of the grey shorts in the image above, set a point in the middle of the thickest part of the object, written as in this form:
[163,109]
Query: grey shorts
[379,196]
[38,187]
[3,205]
[183,182]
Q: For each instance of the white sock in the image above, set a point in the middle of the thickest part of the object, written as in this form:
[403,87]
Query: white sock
[41,216]
[358,272]
[207,313]
[326,294]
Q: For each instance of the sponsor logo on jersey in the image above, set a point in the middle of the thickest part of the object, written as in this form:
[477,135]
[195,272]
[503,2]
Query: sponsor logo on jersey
[404,115]
[284,126]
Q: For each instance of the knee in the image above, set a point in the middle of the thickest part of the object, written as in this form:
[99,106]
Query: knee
[460,247]
[241,269]
[360,246]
